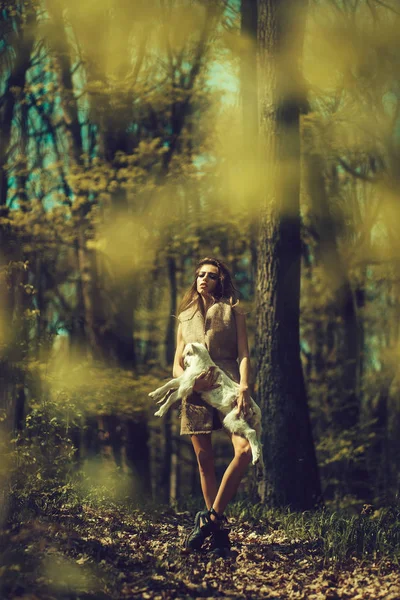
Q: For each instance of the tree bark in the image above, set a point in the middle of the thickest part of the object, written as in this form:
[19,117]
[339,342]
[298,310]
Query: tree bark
[292,477]
[175,479]
[138,456]
[167,465]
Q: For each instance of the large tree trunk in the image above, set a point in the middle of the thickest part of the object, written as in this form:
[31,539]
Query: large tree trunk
[291,469]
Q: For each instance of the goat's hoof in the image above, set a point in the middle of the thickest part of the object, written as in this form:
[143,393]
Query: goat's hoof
[159,413]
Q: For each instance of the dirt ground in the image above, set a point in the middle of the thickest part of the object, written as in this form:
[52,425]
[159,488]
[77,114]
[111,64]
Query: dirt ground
[98,554]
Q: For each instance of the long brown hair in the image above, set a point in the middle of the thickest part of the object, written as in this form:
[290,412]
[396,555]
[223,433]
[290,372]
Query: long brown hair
[224,290]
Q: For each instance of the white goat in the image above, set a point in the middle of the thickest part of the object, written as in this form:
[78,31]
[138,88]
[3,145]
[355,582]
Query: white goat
[197,360]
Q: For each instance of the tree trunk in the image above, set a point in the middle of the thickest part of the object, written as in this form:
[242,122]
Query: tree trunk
[121,334]
[167,464]
[292,477]
[175,480]
[150,352]
[86,296]
[138,457]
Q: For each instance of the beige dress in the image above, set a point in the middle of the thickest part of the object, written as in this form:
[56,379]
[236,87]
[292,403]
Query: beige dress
[217,331]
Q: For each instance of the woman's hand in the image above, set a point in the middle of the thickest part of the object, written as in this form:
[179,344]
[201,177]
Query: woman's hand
[244,402]
[206,381]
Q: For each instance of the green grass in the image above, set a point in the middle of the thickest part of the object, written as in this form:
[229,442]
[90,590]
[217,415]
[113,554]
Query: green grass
[341,535]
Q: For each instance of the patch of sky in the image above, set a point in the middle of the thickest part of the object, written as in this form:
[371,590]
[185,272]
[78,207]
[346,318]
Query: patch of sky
[242,280]
[305,347]
[224,73]
[224,77]
[231,13]
[133,128]
[202,160]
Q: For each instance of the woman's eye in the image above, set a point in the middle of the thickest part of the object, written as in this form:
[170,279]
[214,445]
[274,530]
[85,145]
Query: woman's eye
[212,276]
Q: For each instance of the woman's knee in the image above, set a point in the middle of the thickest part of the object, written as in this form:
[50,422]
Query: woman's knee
[243,452]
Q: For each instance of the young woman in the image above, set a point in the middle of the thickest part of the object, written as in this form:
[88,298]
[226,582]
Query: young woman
[207,314]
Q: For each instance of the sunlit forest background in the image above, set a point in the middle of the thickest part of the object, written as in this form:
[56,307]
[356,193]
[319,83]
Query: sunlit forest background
[129,151]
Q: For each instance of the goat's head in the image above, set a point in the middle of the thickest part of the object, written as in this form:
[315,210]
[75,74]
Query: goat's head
[192,350]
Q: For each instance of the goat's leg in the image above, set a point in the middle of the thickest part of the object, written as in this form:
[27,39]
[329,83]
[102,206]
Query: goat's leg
[257,427]
[160,392]
[238,425]
[167,404]
[254,444]
[260,467]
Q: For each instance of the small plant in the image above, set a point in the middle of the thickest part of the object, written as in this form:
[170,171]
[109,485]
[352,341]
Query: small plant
[40,461]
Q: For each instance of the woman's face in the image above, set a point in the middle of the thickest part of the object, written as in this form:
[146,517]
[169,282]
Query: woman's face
[207,279]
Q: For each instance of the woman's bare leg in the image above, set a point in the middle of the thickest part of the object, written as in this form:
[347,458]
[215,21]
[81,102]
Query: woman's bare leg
[205,458]
[233,474]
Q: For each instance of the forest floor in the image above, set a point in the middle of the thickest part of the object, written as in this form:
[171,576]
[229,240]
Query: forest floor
[97,553]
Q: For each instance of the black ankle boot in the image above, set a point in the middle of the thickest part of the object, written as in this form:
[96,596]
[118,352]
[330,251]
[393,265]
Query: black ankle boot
[220,544]
[203,528]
